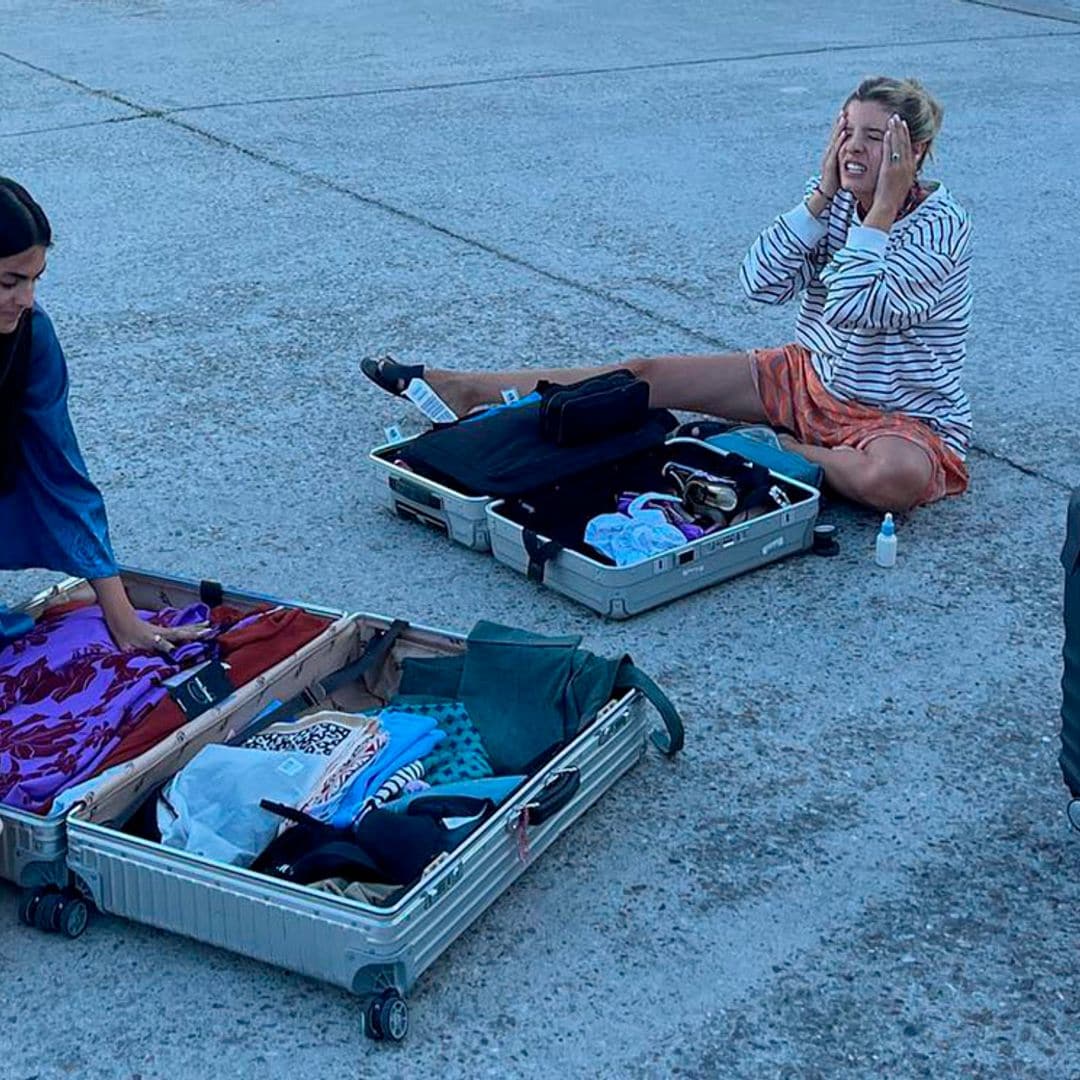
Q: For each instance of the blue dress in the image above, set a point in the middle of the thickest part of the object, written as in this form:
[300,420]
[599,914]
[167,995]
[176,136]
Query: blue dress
[54,517]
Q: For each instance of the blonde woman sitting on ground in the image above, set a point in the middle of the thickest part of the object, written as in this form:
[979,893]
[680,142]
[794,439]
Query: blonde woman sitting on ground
[871,387]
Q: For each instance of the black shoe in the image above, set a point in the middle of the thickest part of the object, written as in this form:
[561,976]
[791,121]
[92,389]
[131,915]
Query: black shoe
[387,374]
[397,379]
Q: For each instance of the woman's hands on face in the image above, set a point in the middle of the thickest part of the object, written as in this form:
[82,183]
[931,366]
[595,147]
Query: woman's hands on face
[830,163]
[898,168]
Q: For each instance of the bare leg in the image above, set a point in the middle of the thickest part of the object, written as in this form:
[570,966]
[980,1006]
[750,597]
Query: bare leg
[892,473]
[719,385]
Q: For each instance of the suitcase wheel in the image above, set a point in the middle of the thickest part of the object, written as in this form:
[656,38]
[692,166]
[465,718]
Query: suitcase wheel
[46,911]
[387,1017]
[28,904]
[53,911]
[72,915]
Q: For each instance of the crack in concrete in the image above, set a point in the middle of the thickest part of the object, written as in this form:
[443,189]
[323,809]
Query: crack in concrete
[73,126]
[1027,470]
[1037,10]
[568,73]
[381,204]
[573,73]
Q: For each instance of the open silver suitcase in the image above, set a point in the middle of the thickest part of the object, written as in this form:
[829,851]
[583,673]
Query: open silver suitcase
[33,848]
[618,592]
[621,591]
[376,952]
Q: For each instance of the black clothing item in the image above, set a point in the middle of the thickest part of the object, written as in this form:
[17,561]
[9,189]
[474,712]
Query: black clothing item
[384,846]
[506,453]
[14,373]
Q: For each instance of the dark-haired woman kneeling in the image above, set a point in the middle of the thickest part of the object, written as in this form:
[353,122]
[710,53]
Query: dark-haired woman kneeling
[52,517]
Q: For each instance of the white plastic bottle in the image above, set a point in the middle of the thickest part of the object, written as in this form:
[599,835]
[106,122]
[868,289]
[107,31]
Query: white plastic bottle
[885,548]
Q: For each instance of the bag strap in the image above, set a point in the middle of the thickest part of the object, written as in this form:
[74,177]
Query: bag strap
[374,656]
[630,677]
[444,806]
[290,813]
[540,550]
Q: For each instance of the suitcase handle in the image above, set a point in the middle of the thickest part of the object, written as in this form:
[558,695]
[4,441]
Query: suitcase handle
[555,794]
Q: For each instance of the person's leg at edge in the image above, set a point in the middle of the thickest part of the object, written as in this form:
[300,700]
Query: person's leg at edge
[720,385]
[889,473]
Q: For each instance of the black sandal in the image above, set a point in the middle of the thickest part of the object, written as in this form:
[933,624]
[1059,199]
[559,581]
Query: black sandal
[398,379]
[387,374]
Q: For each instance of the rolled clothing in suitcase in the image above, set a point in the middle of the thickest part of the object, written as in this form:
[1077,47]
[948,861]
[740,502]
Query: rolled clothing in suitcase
[1070,680]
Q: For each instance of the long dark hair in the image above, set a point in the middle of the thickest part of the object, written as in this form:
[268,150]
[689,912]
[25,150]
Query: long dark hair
[23,225]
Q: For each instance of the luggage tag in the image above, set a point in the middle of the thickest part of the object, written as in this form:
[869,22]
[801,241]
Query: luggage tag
[518,825]
[429,403]
[393,435]
[200,688]
[511,396]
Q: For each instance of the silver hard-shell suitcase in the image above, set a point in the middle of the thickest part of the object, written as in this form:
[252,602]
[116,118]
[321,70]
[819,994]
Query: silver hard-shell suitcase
[481,522]
[377,953]
[33,847]
[621,591]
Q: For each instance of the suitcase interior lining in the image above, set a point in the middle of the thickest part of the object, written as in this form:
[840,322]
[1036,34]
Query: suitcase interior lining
[562,511]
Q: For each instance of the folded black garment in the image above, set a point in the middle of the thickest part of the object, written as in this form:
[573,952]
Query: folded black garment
[593,409]
[506,454]
[383,846]
[311,850]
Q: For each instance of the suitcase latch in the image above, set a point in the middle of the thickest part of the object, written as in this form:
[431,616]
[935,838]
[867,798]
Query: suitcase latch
[448,881]
[610,730]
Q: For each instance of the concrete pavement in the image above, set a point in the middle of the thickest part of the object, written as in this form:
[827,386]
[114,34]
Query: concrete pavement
[860,866]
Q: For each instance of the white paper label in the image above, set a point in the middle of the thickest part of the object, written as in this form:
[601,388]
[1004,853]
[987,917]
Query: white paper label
[429,403]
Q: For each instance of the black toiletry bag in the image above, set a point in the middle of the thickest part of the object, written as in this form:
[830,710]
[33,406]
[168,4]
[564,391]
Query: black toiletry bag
[594,409]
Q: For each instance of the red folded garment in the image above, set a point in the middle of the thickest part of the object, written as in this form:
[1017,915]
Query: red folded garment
[248,650]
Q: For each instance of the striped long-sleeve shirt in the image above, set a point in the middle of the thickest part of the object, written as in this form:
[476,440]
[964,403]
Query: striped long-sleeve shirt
[884,316]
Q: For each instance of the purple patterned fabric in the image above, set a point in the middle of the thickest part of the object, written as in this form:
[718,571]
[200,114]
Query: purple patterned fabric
[675,514]
[68,695]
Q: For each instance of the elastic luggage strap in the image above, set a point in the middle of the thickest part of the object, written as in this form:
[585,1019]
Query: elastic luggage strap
[374,655]
[540,551]
[631,677]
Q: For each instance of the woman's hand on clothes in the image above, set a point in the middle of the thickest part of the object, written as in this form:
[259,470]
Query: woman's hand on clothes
[896,173]
[131,633]
[829,184]
[135,635]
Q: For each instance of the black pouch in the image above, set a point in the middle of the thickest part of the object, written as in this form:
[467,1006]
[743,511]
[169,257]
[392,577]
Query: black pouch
[593,409]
